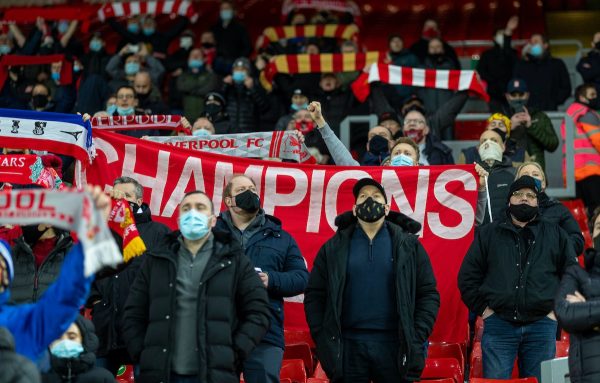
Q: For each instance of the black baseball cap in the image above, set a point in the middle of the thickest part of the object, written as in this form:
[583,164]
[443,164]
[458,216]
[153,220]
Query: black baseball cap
[367,182]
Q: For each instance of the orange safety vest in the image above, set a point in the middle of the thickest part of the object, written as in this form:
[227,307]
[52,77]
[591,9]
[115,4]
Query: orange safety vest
[586,143]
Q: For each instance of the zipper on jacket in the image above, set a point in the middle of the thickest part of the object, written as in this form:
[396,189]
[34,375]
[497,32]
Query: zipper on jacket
[371,250]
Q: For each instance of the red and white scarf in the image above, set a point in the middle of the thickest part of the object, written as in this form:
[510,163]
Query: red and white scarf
[135,8]
[425,78]
[133,122]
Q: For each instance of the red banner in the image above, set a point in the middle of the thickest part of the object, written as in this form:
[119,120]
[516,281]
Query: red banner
[307,199]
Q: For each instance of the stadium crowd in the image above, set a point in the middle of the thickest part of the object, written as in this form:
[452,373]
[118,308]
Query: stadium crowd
[205,303]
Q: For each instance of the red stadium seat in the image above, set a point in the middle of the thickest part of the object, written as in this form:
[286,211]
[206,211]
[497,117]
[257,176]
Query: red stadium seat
[445,380]
[300,351]
[298,336]
[436,368]
[562,349]
[317,380]
[478,329]
[476,362]
[564,336]
[293,369]
[447,350]
[517,380]
[319,373]
[125,374]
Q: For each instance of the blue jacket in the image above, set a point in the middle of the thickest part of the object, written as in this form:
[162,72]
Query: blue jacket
[275,251]
[34,326]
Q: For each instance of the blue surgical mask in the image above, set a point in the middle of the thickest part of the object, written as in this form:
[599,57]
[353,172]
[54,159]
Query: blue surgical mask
[238,76]
[55,76]
[193,225]
[195,64]
[402,160]
[538,183]
[133,28]
[296,107]
[76,68]
[226,14]
[95,45]
[201,133]
[66,349]
[536,50]
[4,49]
[63,27]
[111,109]
[132,68]
[125,111]
[148,30]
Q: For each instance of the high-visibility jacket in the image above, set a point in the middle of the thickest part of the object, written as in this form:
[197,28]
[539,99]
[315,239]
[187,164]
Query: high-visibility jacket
[586,142]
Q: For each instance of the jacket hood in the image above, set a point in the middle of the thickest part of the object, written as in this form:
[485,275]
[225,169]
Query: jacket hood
[7,342]
[408,224]
[144,216]
[86,361]
[5,254]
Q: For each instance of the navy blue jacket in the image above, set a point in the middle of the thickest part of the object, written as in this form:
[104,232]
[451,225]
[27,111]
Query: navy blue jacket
[437,152]
[275,251]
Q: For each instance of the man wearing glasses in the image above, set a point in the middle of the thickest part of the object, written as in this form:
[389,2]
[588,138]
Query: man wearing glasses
[510,276]
[432,150]
[127,105]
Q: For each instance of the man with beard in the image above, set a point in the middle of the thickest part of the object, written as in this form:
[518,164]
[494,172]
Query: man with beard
[510,276]
[278,262]
[149,98]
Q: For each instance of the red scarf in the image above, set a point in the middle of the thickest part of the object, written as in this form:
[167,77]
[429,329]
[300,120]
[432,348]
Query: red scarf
[66,71]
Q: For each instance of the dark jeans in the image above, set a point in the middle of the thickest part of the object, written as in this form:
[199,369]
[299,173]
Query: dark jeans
[370,361]
[503,341]
[263,364]
[176,378]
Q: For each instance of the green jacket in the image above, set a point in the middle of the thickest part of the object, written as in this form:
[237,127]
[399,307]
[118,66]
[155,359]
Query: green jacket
[541,137]
[193,88]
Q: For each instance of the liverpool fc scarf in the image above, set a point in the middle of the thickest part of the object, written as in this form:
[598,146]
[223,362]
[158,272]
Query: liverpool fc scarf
[425,78]
[71,210]
[326,62]
[28,170]
[121,222]
[161,122]
[278,144]
[135,8]
[58,133]
[344,32]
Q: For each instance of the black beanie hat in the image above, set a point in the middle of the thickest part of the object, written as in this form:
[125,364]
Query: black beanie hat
[523,182]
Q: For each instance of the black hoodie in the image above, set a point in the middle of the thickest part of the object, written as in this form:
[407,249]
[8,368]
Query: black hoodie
[15,368]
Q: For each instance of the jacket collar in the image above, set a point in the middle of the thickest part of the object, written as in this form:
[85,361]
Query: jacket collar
[143,217]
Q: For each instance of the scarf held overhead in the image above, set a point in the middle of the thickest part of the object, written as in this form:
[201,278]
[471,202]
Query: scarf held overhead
[286,32]
[7,61]
[59,133]
[278,144]
[322,63]
[136,8]
[161,122]
[425,78]
[71,210]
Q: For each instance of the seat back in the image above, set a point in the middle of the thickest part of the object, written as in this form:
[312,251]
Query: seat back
[293,369]
[300,351]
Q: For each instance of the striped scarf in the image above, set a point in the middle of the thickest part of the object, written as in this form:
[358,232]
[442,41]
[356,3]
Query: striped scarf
[344,32]
[135,8]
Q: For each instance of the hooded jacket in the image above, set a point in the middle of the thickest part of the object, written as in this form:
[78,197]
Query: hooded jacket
[15,368]
[233,313]
[502,174]
[35,325]
[554,211]
[417,299]
[582,320]
[30,281]
[81,369]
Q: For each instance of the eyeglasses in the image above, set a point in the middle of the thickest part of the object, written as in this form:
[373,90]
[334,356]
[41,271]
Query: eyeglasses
[519,194]
[415,121]
[125,96]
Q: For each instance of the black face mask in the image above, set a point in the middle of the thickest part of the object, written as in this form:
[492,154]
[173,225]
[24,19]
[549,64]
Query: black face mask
[134,207]
[370,210]
[212,109]
[378,145]
[523,212]
[437,57]
[31,234]
[597,45]
[518,104]
[39,101]
[143,96]
[247,201]
[594,103]
[208,45]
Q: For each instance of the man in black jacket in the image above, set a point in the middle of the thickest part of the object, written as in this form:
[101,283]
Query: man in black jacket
[109,293]
[510,276]
[371,299]
[232,38]
[197,307]
[278,262]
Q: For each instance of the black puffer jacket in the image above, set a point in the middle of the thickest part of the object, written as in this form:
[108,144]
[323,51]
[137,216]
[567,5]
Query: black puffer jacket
[418,300]
[30,282]
[15,368]
[582,320]
[554,211]
[244,107]
[81,369]
[233,312]
[151,232]
[492,273]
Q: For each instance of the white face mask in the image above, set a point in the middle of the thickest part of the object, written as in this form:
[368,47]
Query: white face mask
[499,38]
[490,150]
